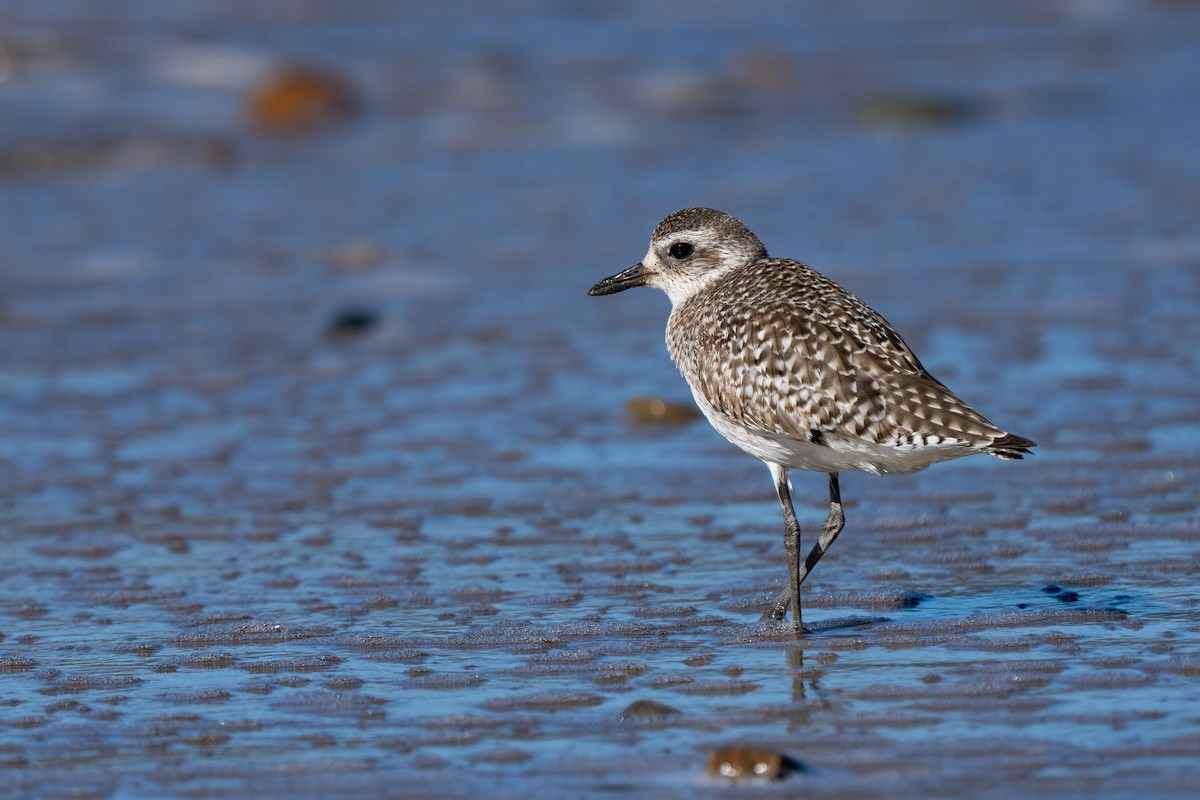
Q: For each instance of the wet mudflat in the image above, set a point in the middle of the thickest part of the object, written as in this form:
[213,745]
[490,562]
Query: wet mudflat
[317,472]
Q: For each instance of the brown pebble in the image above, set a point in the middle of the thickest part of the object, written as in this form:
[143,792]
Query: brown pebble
[910,111]
[295,99]
[648,709]
[655,411]
[738,762]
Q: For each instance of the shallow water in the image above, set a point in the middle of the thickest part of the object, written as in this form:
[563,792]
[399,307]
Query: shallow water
[317,476]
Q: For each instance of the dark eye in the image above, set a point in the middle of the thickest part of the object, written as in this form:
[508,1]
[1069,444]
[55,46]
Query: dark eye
[681,250]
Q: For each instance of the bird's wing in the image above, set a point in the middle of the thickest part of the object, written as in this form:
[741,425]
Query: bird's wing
[813,360]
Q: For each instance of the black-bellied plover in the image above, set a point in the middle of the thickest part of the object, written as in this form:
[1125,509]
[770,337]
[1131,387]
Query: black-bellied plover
[798,372]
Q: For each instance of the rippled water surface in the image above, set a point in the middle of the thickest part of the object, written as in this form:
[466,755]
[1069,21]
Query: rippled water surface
[317,473]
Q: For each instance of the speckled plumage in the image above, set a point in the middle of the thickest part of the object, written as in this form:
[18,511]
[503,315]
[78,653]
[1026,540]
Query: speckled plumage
[781,350]
[794,369]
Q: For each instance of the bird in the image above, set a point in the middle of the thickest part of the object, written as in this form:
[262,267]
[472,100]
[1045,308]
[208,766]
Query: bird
[798,372]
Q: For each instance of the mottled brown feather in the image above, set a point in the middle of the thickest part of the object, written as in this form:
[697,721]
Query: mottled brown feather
[776,346]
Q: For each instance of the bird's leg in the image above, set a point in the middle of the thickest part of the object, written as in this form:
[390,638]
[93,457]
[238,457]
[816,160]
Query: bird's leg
[790,599]
[829,531]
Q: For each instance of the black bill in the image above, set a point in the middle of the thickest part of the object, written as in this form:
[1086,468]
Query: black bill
[634,276]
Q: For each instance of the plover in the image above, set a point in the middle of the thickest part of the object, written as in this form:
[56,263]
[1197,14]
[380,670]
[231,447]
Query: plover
[798,372]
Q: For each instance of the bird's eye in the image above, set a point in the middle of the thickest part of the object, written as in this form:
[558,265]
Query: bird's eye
[681,250]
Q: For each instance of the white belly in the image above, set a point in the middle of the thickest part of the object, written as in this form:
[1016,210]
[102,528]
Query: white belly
[835,453]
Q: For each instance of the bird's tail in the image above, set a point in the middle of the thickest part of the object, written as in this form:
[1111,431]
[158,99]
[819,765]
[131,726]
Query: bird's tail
[1010,446]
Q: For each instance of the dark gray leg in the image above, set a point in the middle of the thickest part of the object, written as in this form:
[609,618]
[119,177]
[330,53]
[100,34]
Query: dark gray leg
[790,599]
[829,531]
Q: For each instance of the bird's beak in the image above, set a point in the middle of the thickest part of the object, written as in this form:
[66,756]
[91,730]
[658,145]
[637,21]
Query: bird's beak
[634,276]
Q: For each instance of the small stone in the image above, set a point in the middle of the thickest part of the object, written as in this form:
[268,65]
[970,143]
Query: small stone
[655,411]
[648,710]
[352,322]
[911,111]
[295,99]
[739,763]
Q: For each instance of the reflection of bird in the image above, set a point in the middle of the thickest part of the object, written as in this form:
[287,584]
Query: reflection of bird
[798,372]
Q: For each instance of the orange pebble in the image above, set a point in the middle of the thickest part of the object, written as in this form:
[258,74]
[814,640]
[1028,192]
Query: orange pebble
[300,99]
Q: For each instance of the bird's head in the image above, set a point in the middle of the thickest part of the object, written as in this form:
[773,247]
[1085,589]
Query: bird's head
[688,251]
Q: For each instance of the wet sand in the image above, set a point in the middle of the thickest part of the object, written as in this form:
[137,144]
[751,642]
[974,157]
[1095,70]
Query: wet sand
[318,477]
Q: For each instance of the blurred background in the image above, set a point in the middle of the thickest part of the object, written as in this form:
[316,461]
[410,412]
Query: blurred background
[313,447]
